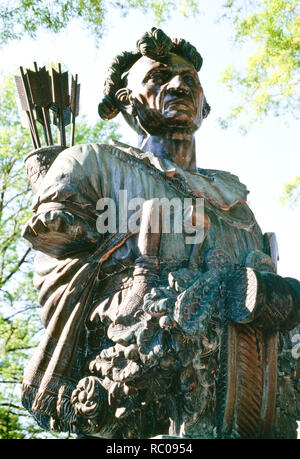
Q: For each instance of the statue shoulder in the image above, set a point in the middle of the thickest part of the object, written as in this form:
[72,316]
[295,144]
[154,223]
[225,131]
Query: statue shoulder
[227,182]
[219,174]
[85,154]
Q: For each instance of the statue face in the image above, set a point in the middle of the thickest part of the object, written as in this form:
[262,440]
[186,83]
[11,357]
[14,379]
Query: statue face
[167,94]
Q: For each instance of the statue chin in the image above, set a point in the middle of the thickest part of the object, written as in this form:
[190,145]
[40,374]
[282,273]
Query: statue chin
[154,122]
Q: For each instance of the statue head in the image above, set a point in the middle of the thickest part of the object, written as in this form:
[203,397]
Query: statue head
[156,87]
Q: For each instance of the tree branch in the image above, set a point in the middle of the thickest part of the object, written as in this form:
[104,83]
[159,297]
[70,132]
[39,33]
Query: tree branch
[20,312]
[11,405]
[20,262]
[14,381]
[21,348]
[23,192]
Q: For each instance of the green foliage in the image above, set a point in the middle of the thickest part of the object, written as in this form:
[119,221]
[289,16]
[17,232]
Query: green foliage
[26,17]
[268,83]
[99,133]
[17,329]
[162,9]
[15,196]
[18,336]
[20,325]
[10,426]
[291,193]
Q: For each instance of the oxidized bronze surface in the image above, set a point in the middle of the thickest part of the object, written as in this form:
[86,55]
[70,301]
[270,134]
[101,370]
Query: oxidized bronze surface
[147,333]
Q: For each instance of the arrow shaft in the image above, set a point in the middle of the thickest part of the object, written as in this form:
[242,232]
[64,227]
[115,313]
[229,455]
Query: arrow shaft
[49,139]
[63,131]
[31,131]
[74,104]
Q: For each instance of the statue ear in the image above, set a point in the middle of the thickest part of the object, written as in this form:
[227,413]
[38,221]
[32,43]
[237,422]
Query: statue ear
[205,108]
[124,101]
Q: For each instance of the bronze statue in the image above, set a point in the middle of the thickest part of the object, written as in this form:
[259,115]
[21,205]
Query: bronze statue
[147,334]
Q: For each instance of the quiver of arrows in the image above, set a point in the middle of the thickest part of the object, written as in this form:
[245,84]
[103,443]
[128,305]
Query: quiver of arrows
[45,104]
[42,94]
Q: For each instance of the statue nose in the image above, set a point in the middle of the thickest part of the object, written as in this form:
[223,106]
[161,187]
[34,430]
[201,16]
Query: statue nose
[178,85]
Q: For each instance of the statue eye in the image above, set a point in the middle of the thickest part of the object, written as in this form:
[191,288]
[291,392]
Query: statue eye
[188,79]
[157,78]
[160,77]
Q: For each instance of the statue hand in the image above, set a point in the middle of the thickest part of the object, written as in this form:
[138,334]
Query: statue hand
[196,305]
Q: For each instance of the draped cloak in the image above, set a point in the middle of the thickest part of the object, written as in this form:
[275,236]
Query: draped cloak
[77,267]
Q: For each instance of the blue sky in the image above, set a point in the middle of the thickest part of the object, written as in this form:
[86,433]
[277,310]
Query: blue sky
[265,159]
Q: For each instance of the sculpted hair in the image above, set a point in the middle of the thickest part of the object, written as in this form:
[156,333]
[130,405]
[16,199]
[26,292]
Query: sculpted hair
[154,44]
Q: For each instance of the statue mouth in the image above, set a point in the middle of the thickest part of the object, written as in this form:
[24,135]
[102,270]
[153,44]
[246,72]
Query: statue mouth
[185,104]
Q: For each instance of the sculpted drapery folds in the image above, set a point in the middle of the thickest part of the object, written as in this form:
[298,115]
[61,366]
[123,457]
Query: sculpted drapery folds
[145,333]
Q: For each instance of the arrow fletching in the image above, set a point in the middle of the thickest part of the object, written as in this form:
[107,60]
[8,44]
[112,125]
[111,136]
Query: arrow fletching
[75,93]
[56,116]
[27,105]
[40,92]
[22,93]
[60,89]
[61,98]
[40,87]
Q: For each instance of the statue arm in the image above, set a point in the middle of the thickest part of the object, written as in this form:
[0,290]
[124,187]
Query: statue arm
[64,220]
